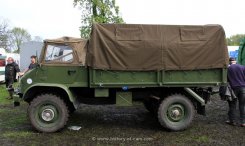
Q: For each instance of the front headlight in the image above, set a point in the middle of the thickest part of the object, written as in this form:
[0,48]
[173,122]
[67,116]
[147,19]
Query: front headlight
[29,81]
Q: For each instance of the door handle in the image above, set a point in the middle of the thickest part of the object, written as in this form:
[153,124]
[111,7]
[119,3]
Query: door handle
[70,72]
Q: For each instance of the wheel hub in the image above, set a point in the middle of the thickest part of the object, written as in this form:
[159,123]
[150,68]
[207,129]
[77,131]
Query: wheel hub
[48,115]
[176,112]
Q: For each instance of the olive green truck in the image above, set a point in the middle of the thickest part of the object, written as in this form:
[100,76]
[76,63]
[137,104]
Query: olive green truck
[170,68]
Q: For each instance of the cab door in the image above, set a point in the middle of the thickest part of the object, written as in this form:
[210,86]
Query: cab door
[59,65]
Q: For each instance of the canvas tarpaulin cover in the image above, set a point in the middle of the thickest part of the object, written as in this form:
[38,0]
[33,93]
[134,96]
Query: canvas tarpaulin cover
[79,46]
[156,47]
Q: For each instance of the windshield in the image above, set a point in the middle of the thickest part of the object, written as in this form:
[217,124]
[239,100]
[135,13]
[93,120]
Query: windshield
[58,53]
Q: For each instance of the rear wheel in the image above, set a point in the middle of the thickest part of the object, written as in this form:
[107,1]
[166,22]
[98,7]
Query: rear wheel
[175,112]
[48,113]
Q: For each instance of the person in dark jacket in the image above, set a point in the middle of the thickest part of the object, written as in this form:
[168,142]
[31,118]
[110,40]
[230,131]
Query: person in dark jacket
[11,69]
[32,65]
[236,78]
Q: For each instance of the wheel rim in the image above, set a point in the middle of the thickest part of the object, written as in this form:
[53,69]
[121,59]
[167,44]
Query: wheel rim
[176,112]
[47,115]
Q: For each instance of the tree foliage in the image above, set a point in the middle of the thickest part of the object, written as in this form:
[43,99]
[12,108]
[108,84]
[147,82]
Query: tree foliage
[235,40]
[18,37]
[4,35]
[11,39]
[100,11]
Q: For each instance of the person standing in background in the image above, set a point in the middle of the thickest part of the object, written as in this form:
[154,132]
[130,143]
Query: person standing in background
[236,78]
[232,61]
[32,65]
[11,69]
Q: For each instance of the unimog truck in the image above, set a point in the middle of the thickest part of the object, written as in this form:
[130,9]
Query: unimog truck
[170,68]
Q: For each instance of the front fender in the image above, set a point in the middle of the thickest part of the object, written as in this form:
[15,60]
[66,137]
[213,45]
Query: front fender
[65,88]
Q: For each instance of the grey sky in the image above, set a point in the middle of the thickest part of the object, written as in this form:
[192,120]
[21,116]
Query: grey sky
[56,18]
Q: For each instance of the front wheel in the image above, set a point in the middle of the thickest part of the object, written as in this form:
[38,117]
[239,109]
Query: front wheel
[176,112]
[48,113]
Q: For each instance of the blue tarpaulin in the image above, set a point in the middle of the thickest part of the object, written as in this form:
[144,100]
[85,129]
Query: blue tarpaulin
[233,54]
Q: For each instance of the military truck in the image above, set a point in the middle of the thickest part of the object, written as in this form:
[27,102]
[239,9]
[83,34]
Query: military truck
[170,68]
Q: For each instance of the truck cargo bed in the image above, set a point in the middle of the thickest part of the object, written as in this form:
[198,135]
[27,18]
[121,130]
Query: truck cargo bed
[194,78]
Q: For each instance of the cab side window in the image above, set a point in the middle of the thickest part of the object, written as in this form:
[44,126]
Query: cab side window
[58,53]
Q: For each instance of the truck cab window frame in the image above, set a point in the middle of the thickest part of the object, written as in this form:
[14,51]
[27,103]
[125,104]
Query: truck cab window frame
[56,53]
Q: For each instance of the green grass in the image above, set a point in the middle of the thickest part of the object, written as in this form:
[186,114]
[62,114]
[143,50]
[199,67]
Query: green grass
[202,139]
[17,134]
[12,121]
[7,109]
[3,95]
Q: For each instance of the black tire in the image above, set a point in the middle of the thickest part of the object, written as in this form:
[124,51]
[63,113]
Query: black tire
[176,112]
[151,104]
[48,113]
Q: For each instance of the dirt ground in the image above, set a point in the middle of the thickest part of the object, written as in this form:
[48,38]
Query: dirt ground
[110,125]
